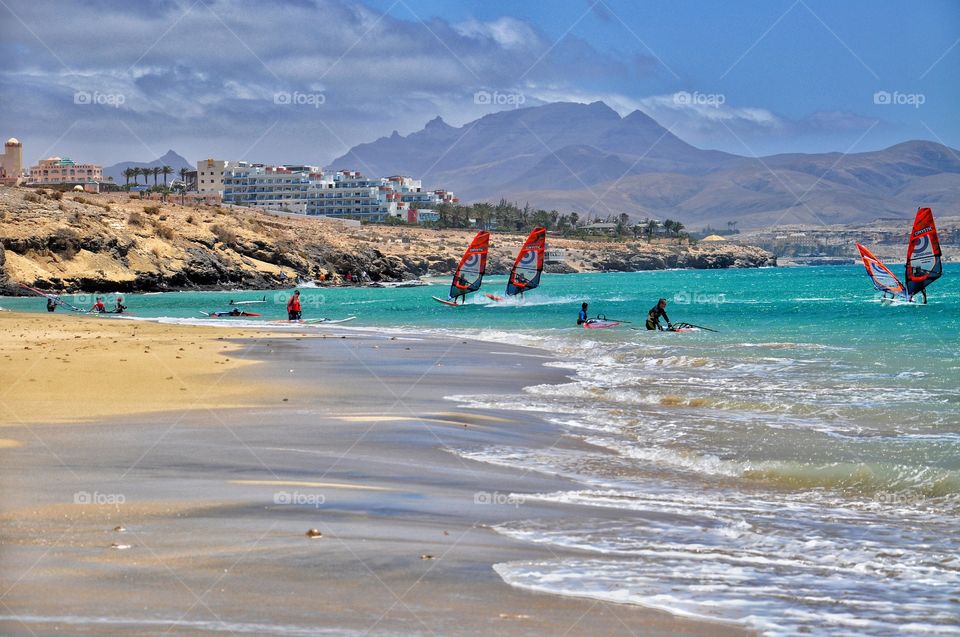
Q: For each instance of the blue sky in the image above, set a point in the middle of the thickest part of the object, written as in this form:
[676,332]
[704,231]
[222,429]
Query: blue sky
[303,80]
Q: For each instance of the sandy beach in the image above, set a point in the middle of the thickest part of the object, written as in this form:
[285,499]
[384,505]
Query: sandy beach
[191,517]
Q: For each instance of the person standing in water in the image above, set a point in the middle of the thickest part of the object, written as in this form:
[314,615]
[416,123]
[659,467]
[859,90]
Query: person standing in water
[120,306]
[293,307]
[99,306]
[657,311]
[582,317]
[51,305]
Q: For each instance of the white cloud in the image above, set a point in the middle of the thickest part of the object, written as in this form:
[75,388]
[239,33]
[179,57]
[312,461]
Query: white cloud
[507,32]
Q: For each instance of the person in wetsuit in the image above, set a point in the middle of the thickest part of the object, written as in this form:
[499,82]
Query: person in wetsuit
[51,305]
[657,311]
[582,317]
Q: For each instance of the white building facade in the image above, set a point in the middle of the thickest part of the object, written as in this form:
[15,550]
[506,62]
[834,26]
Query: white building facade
[345,193]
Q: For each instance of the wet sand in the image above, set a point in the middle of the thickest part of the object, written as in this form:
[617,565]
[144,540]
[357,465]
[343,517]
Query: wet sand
[194,522]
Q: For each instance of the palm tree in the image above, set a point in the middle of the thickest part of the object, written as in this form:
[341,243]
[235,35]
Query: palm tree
[651,228]
[136,175]
[127,174]
[156,170]
[183,185]
[166,170]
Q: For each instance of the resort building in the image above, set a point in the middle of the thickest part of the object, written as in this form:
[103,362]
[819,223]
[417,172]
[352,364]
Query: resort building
[343,194]
[56,170]
[210,175]
[11,162]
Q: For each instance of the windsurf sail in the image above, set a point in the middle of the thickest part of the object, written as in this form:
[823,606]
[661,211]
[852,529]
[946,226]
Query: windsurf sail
[53,297]
[473,264]
[923,253]
[528,265]
[883,279]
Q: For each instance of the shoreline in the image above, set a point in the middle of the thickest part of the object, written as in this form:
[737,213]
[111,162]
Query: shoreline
[220,506]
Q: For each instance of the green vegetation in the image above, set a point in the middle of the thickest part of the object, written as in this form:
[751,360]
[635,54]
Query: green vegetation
[510,217]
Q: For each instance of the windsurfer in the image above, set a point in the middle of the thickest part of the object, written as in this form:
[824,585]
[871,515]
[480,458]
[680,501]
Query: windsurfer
[98,306]
[582,317]
[51,305]
[293,307]
[120,306]
[653,316]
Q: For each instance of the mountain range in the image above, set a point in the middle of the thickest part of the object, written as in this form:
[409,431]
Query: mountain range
[587,158]
[170,158]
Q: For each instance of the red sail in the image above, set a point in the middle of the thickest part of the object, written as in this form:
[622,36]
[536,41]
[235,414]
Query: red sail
[923,253]
[469,274]
[528,265]
[883,279]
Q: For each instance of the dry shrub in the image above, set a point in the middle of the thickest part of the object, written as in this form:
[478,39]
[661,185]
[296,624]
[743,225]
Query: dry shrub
[164,232]
[223,234]
[156,251]
[56,195]
[190,219]
[151,210]
[32,197]
[134,196]
[136,219]
[75,217]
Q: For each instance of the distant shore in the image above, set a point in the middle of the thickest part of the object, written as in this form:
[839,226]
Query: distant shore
[90,243]
[193,522]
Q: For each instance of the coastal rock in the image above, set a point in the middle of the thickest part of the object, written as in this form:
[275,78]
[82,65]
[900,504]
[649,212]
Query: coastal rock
[114,242]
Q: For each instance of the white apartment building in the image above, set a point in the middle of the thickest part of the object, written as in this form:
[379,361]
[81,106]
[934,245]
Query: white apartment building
[346,193]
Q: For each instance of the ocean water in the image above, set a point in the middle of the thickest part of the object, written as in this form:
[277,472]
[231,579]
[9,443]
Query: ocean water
[797,472]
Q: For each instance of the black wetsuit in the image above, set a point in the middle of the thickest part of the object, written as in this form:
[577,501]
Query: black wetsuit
[653,317]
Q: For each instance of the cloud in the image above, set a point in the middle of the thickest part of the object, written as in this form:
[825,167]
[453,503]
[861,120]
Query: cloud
[203,77]
[210,78]
[505,32]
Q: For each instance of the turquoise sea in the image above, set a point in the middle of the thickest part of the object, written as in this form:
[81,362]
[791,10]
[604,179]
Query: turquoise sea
[797,471]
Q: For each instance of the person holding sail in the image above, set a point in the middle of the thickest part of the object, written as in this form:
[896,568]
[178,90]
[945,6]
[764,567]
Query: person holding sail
[653,316]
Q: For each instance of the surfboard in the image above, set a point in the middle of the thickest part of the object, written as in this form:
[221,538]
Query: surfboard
[492,297]
[600,324]
[228,314]
[326,321]
[445,301]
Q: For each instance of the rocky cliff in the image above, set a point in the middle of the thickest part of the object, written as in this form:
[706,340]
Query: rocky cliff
[82,242]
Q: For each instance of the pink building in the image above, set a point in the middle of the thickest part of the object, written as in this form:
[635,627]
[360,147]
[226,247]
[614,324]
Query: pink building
[55,170]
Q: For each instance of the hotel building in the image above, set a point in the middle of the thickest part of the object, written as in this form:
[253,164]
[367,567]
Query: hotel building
[345,193]
[210,175]
[56,170]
